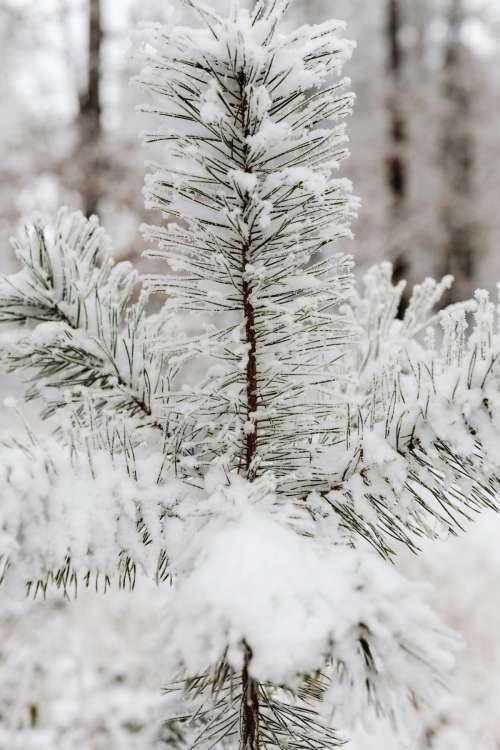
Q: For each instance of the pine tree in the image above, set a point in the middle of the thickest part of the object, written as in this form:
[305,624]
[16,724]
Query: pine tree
[272,437]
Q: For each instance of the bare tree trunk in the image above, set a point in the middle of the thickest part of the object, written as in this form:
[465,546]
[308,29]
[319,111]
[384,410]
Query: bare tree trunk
[396,164]
[457,154]
[90,114]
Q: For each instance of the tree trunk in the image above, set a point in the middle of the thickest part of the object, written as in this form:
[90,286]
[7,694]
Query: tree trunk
[457,155]
[396,165]
[249,709]
[90,115]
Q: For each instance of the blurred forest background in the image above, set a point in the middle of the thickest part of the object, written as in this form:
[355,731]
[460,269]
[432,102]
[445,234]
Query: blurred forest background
[425,141]
[425,135]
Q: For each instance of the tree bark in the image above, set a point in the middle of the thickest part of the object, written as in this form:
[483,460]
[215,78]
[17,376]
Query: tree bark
[90,125]
[457,155]
[249,709]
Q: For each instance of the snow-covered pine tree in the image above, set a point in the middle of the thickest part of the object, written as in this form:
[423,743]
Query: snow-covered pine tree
[271,437]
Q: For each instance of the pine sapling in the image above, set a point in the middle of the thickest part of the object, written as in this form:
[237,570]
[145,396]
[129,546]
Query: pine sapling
[272,436]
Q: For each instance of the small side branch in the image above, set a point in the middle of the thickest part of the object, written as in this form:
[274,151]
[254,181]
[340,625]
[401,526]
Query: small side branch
[141,404]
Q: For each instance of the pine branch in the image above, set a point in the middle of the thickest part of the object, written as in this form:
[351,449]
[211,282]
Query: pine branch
[422,460]
[90,337]
[70,520]
[266,209]
[211,703]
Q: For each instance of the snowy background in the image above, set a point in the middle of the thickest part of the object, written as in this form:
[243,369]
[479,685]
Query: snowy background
[84,674]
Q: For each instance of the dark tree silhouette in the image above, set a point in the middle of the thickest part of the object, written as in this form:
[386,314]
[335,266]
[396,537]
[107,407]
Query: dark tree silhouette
[457,154]
[90,125]
[396,166]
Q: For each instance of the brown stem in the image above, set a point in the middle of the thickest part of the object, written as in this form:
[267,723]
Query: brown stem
[248,309]
[251,374]
[249,709]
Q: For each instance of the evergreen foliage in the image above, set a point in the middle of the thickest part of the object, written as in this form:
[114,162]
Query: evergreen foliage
[272,429]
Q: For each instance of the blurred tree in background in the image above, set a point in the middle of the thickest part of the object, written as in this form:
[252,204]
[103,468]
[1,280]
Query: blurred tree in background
[69,133]
[90,114]
[462,234]
[397,152]
[425,134]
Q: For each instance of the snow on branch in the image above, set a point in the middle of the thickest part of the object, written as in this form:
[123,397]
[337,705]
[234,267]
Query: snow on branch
[424,441]
[89,342]
[67,519]
[250,119]
[256,580]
